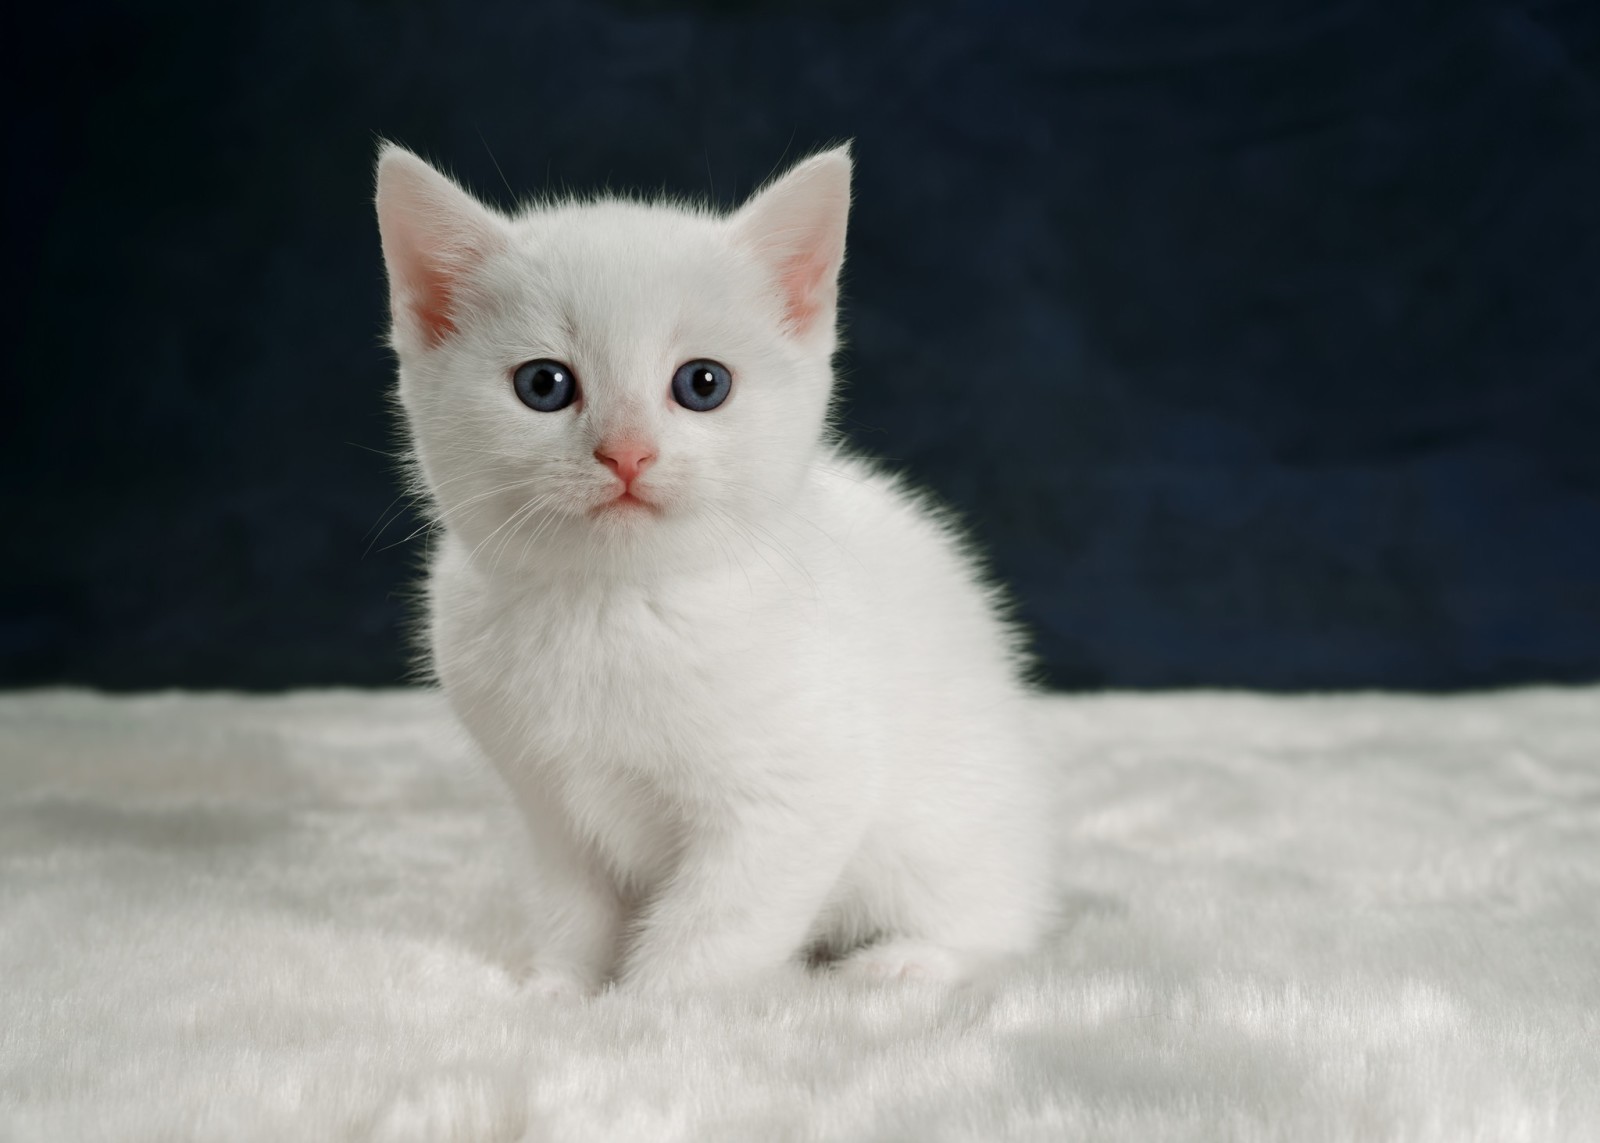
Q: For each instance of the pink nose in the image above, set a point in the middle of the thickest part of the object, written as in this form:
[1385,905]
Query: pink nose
[625,458]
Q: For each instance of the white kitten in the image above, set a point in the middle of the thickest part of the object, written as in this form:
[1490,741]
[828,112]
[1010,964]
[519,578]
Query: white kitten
[750,694]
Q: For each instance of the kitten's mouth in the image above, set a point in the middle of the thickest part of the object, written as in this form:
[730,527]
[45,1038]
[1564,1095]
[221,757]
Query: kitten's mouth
[627,502]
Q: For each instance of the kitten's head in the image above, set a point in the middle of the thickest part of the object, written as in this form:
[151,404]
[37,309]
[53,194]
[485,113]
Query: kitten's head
[612,380]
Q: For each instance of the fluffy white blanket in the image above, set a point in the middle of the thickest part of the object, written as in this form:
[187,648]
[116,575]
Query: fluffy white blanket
[1363,917]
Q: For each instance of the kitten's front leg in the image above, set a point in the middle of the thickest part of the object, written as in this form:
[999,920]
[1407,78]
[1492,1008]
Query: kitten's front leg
[741,900]
[578,925]
[575,911]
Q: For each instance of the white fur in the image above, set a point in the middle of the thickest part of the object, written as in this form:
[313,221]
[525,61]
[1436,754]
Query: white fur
[779,712]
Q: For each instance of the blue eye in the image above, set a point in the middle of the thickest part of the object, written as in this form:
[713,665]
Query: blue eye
[701,385]
[545,386]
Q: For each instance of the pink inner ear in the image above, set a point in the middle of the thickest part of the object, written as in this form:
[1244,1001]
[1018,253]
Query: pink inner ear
[801,277]
[426,286]
[431,295]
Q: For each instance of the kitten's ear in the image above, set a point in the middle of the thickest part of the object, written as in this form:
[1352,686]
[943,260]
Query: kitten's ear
[434,236]
[797,226]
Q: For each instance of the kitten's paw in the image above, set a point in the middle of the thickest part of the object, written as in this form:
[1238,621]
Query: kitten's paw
[552,982]
[908,960]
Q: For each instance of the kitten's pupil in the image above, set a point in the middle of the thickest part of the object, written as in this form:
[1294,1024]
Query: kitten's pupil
[704,383]
[545,381]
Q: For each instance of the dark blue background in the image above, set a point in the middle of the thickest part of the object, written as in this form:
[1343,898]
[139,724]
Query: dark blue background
[1259,340]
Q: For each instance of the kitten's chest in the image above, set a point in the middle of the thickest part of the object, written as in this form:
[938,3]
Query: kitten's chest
[599,681]
[624,711]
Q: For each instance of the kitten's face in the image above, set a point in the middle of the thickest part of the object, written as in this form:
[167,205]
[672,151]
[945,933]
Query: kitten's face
[604,380]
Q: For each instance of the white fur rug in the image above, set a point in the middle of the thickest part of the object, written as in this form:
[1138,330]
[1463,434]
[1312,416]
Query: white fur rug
[1301,919]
